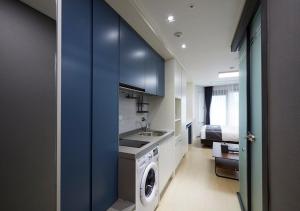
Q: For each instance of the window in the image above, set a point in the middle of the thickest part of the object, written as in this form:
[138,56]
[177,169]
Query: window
[218,110]
[233,109]
[224,108]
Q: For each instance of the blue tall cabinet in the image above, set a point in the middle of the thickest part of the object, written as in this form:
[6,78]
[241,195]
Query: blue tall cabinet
[89,124]
[99,51]
[105,118]
[76,105]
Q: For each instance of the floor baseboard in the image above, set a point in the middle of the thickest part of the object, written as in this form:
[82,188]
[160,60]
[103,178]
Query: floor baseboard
[240,201]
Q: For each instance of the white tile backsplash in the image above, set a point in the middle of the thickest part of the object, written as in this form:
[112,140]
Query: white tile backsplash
[129,119]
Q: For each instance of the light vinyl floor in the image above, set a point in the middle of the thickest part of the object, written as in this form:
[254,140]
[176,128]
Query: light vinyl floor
[195,186]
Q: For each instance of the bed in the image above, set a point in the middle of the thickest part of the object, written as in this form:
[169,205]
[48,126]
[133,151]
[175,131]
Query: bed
[217,133]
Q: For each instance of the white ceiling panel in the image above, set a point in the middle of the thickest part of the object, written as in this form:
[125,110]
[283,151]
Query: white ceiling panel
[47,7]
[207,29]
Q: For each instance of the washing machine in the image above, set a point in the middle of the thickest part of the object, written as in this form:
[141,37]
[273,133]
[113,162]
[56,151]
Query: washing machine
[147,190]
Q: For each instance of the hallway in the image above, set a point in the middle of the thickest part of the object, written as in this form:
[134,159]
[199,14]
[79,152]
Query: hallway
[196,187]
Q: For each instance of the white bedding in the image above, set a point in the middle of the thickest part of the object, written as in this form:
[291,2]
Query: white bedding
[228,133]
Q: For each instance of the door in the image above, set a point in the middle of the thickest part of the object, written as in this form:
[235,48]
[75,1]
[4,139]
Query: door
[255,128]
[28,108]
[149,184]
[243,193]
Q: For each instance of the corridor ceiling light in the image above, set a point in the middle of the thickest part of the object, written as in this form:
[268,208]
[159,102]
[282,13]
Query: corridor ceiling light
[171,18]
[233,74]
[183,46]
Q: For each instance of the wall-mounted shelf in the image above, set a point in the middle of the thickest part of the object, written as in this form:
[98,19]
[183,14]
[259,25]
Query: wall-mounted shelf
[132,96]
[142,112]
[140,105]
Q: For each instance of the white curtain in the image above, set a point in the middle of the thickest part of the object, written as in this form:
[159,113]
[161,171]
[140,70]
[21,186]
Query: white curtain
[225,106]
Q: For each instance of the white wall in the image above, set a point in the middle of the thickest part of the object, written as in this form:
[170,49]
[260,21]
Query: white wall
[129,119]
[162,110]
[195,107]
[190,104]
[199,109]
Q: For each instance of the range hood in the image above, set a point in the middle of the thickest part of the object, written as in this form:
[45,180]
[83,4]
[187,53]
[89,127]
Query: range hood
[131,88]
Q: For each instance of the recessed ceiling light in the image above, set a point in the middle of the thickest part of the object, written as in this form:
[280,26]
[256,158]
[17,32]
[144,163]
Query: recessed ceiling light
[233,74]
[183,46]
[171,18]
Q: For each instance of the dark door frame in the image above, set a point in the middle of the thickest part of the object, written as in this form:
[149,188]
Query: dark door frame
[243,29]
[265,106]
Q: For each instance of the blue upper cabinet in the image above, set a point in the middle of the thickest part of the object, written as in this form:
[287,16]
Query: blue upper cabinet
[151,81]
[140,66]
[105,108]
[160,90]
[132,57]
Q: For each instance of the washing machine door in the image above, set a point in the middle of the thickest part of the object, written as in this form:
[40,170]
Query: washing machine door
[149,184]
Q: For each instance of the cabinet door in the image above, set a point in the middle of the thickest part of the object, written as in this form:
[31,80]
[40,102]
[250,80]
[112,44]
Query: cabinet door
[185,143]
[151,71]
[177,82]
[105,106]
[132,57]
[183,101]
[160,90]
[166,162]
[76,106]
[178,152]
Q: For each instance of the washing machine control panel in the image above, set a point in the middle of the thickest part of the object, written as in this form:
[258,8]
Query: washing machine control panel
[155,151]
[141,162]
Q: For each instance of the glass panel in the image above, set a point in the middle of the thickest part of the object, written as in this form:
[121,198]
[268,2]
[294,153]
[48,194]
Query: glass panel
[225,106]
[150,181]
[233,109]
[218,110]
[256,113]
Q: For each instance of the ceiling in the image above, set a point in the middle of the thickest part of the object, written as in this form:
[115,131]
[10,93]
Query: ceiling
[208,29]
[47,7]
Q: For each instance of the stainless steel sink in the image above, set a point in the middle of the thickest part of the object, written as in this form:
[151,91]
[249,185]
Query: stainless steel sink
[152,133]
[145,133]
[132,143]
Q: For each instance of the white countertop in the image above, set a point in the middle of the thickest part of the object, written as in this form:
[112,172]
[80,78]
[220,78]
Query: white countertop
[133,153]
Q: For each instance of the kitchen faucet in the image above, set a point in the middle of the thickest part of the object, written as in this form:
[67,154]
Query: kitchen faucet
[145,128]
